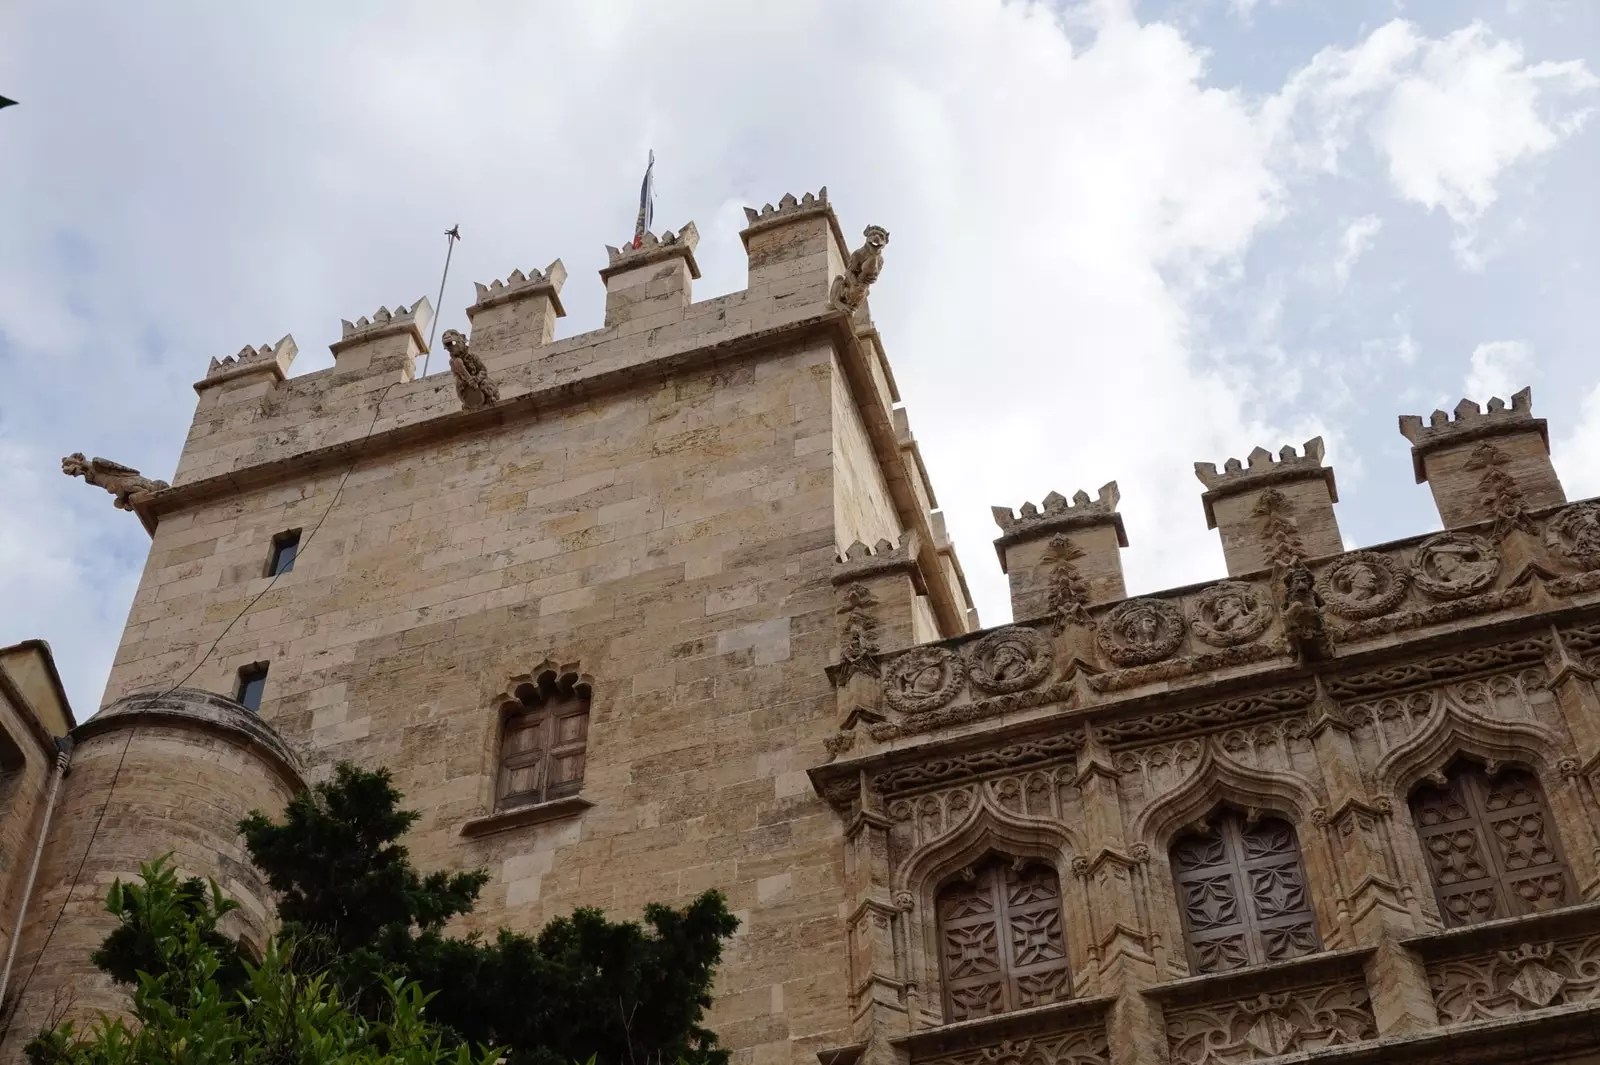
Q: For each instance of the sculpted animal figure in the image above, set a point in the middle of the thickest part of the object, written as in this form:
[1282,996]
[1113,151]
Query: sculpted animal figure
[121,481]
[1304,628]
[866,263]
[473,385]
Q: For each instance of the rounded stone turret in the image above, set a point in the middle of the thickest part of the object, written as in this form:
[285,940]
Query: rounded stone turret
[151,774]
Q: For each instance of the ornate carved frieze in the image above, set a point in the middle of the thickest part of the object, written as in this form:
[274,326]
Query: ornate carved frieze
[1394,718]
[1443,667]
[1500,493]
[1454,565]
[858,633]
[1574,535]
[961,713]
[1270,1024]
[1008,660]
[1280,532]
[975,763]
[1362,584]
[1140,631]
[1078,1046]
[1507,982]
[1207,716]
[1068,593]
[1438,613]
[1182,666]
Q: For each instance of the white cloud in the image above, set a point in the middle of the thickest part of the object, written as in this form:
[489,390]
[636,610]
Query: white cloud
[1499,368]
[1577,457]
[1357,239]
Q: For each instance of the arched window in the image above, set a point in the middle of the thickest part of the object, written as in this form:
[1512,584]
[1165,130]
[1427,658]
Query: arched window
[1490,846]
[1000,939]
[1242,890]
[543,736]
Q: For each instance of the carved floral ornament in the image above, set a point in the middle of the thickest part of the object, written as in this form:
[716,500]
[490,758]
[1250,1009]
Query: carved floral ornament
[1139,631]
[1008,660]
[1574,534]
[922,679]
[1453,565]
[1362,584]
[1230,613]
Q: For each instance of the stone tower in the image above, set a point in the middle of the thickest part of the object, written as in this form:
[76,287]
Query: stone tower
[668,606]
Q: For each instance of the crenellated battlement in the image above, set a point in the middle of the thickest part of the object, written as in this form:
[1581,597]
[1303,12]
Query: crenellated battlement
[518,286]
[1452,454]
[385,323]
[271,359]
[1057,515]
[1261,467]
[1471,421]
[789,209]
[653,249]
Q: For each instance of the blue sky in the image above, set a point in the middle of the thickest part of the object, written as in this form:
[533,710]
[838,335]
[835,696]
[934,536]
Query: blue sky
[1125,237]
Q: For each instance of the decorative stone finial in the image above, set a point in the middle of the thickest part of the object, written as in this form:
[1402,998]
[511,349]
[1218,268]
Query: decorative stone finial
[273,358]
[473,385]
[866,263]
[1472,421]
[653,249]
[1057,514]
[518,285]
[123,482]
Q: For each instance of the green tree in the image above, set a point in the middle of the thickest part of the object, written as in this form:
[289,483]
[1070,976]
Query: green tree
[584,987]
[197,1001]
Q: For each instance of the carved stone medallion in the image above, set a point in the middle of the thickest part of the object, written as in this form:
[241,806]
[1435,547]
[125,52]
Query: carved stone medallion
[1230,613]
[1008,661]
[1451,565]
[1575,534]
[922,679]
[1362,584]
[1138,631]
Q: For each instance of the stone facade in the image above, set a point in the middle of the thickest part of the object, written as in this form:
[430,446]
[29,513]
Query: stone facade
[677,610]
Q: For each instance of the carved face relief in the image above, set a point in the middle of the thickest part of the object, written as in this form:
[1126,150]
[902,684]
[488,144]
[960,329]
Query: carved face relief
[1362,584]
[1452,565]
[1138,631]
[1009,661]
[1229,613]
[1575,534]
[922,679]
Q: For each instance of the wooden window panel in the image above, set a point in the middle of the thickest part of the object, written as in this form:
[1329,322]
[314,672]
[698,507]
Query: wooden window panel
[1242,893]
[542,751]
[1490,848]
[1001,941]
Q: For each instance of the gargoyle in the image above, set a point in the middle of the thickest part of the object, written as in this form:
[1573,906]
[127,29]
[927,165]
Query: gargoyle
[473,385]
[122,482]
[1304,627]
[866,263]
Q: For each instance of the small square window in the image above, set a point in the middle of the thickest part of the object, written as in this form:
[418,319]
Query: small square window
[252,683]
[285,546]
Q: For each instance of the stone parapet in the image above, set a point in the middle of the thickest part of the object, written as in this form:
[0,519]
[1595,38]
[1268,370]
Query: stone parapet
[388,342]
[795,249]
[517,312]
[1094,529]
[268,364]
[1272,511]
[1480,462]
[653,283]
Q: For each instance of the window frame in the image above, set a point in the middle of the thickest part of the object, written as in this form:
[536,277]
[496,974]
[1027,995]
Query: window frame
[248,675]
[289,539]
[993,876]
[1229,827]
[543,708]
[1476,782]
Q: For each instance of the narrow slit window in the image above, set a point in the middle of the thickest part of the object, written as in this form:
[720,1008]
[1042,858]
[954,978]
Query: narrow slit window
[285,548]
[252,683]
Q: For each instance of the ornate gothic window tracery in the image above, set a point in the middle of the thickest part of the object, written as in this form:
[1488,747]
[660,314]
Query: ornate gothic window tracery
[1490,846]
[1242,891]
[543,738]
[1001,941]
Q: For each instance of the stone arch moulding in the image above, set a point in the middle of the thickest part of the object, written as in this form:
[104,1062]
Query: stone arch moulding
[987,829]
[1217,778]
[1451,730]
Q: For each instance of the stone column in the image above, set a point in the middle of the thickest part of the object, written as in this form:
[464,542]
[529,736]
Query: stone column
[1272,512]
[796,250]
[876,589]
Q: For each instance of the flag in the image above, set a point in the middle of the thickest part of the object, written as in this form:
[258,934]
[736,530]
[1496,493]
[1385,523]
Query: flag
[647,202]
[6,103]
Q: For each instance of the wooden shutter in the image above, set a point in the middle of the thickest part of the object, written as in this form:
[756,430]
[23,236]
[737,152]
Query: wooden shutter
[1001,941]
[542,750]
[1489,846]
[1242,892]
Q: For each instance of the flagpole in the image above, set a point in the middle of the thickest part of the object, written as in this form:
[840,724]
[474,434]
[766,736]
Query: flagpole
[452,234]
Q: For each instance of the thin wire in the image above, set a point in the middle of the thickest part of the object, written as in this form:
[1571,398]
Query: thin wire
[117,773]
[454,234]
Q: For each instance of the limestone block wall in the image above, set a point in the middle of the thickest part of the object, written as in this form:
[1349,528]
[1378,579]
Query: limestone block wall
[179,772]
[26,758]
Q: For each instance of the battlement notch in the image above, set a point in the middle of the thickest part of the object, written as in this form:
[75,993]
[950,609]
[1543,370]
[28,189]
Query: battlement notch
[653,283]
[388,341]
[1272,511]
[265,366]
[521,310]
[1038,546]
[1482,462]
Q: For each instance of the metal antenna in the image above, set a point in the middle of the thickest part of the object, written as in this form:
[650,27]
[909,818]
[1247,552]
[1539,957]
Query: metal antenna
[452,235]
